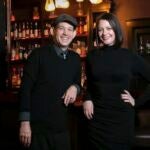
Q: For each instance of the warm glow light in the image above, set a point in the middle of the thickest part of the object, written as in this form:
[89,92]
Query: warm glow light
[79,0]
[96,1]
[49,5]
[62,3]
[66,4]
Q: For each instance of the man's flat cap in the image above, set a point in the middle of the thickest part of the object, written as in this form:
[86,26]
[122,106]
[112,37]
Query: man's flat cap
[65,18]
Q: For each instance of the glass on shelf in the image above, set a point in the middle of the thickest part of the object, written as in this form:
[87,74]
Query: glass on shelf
[36,15]
[12,17]
[52,15]
[80,9]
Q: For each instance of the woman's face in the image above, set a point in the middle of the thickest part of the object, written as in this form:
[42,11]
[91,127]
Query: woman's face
[106,33]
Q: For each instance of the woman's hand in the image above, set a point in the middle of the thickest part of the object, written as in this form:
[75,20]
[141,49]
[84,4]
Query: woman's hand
[70,95]
[127,97]
[25,133]
[88,109]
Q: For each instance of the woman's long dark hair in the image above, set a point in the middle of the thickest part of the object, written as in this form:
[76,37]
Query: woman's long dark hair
[114,23]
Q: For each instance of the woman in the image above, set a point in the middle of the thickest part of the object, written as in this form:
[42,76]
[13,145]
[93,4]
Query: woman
[109,106]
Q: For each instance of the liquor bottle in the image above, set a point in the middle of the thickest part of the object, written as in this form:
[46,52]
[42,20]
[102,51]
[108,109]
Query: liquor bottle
[36,15]
[78,50]
[27,30]
[21,72]
[80,27]
[25,54]
[36,31]
[46,30]
[15,31]
[31,31]
[14,77]
[17,54]
[12,17]
[18,82]
[83,49]
[13,53]
[23,31]
[20,52]
[12,31]
[85,28]
[20,31]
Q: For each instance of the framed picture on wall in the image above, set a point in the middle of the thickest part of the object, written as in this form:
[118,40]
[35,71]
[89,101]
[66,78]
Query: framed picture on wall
[139,35]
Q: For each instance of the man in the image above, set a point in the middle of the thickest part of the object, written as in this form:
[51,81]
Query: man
[50,83]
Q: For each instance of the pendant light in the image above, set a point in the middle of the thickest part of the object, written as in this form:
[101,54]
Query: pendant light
[96,1]
[61,3]
[92,1]
[79,0]
[49,5]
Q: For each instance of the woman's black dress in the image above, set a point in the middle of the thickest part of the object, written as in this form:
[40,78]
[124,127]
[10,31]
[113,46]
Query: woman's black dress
[110,72]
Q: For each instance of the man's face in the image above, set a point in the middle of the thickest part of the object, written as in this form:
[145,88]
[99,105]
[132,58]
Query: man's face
[64,33]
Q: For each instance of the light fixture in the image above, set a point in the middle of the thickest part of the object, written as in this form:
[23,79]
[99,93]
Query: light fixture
[96,1]
[61,3]
[92,1]
[79,0]
[51,6]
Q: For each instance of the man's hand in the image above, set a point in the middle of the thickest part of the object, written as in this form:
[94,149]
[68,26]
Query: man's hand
[70,95]
[25,133]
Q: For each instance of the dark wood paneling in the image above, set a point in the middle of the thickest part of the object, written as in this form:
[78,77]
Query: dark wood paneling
[3,67]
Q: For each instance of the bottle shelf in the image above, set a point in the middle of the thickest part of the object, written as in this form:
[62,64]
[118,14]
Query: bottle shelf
[30,28]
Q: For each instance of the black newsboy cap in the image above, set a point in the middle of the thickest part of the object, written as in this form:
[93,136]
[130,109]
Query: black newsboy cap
[65,18]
